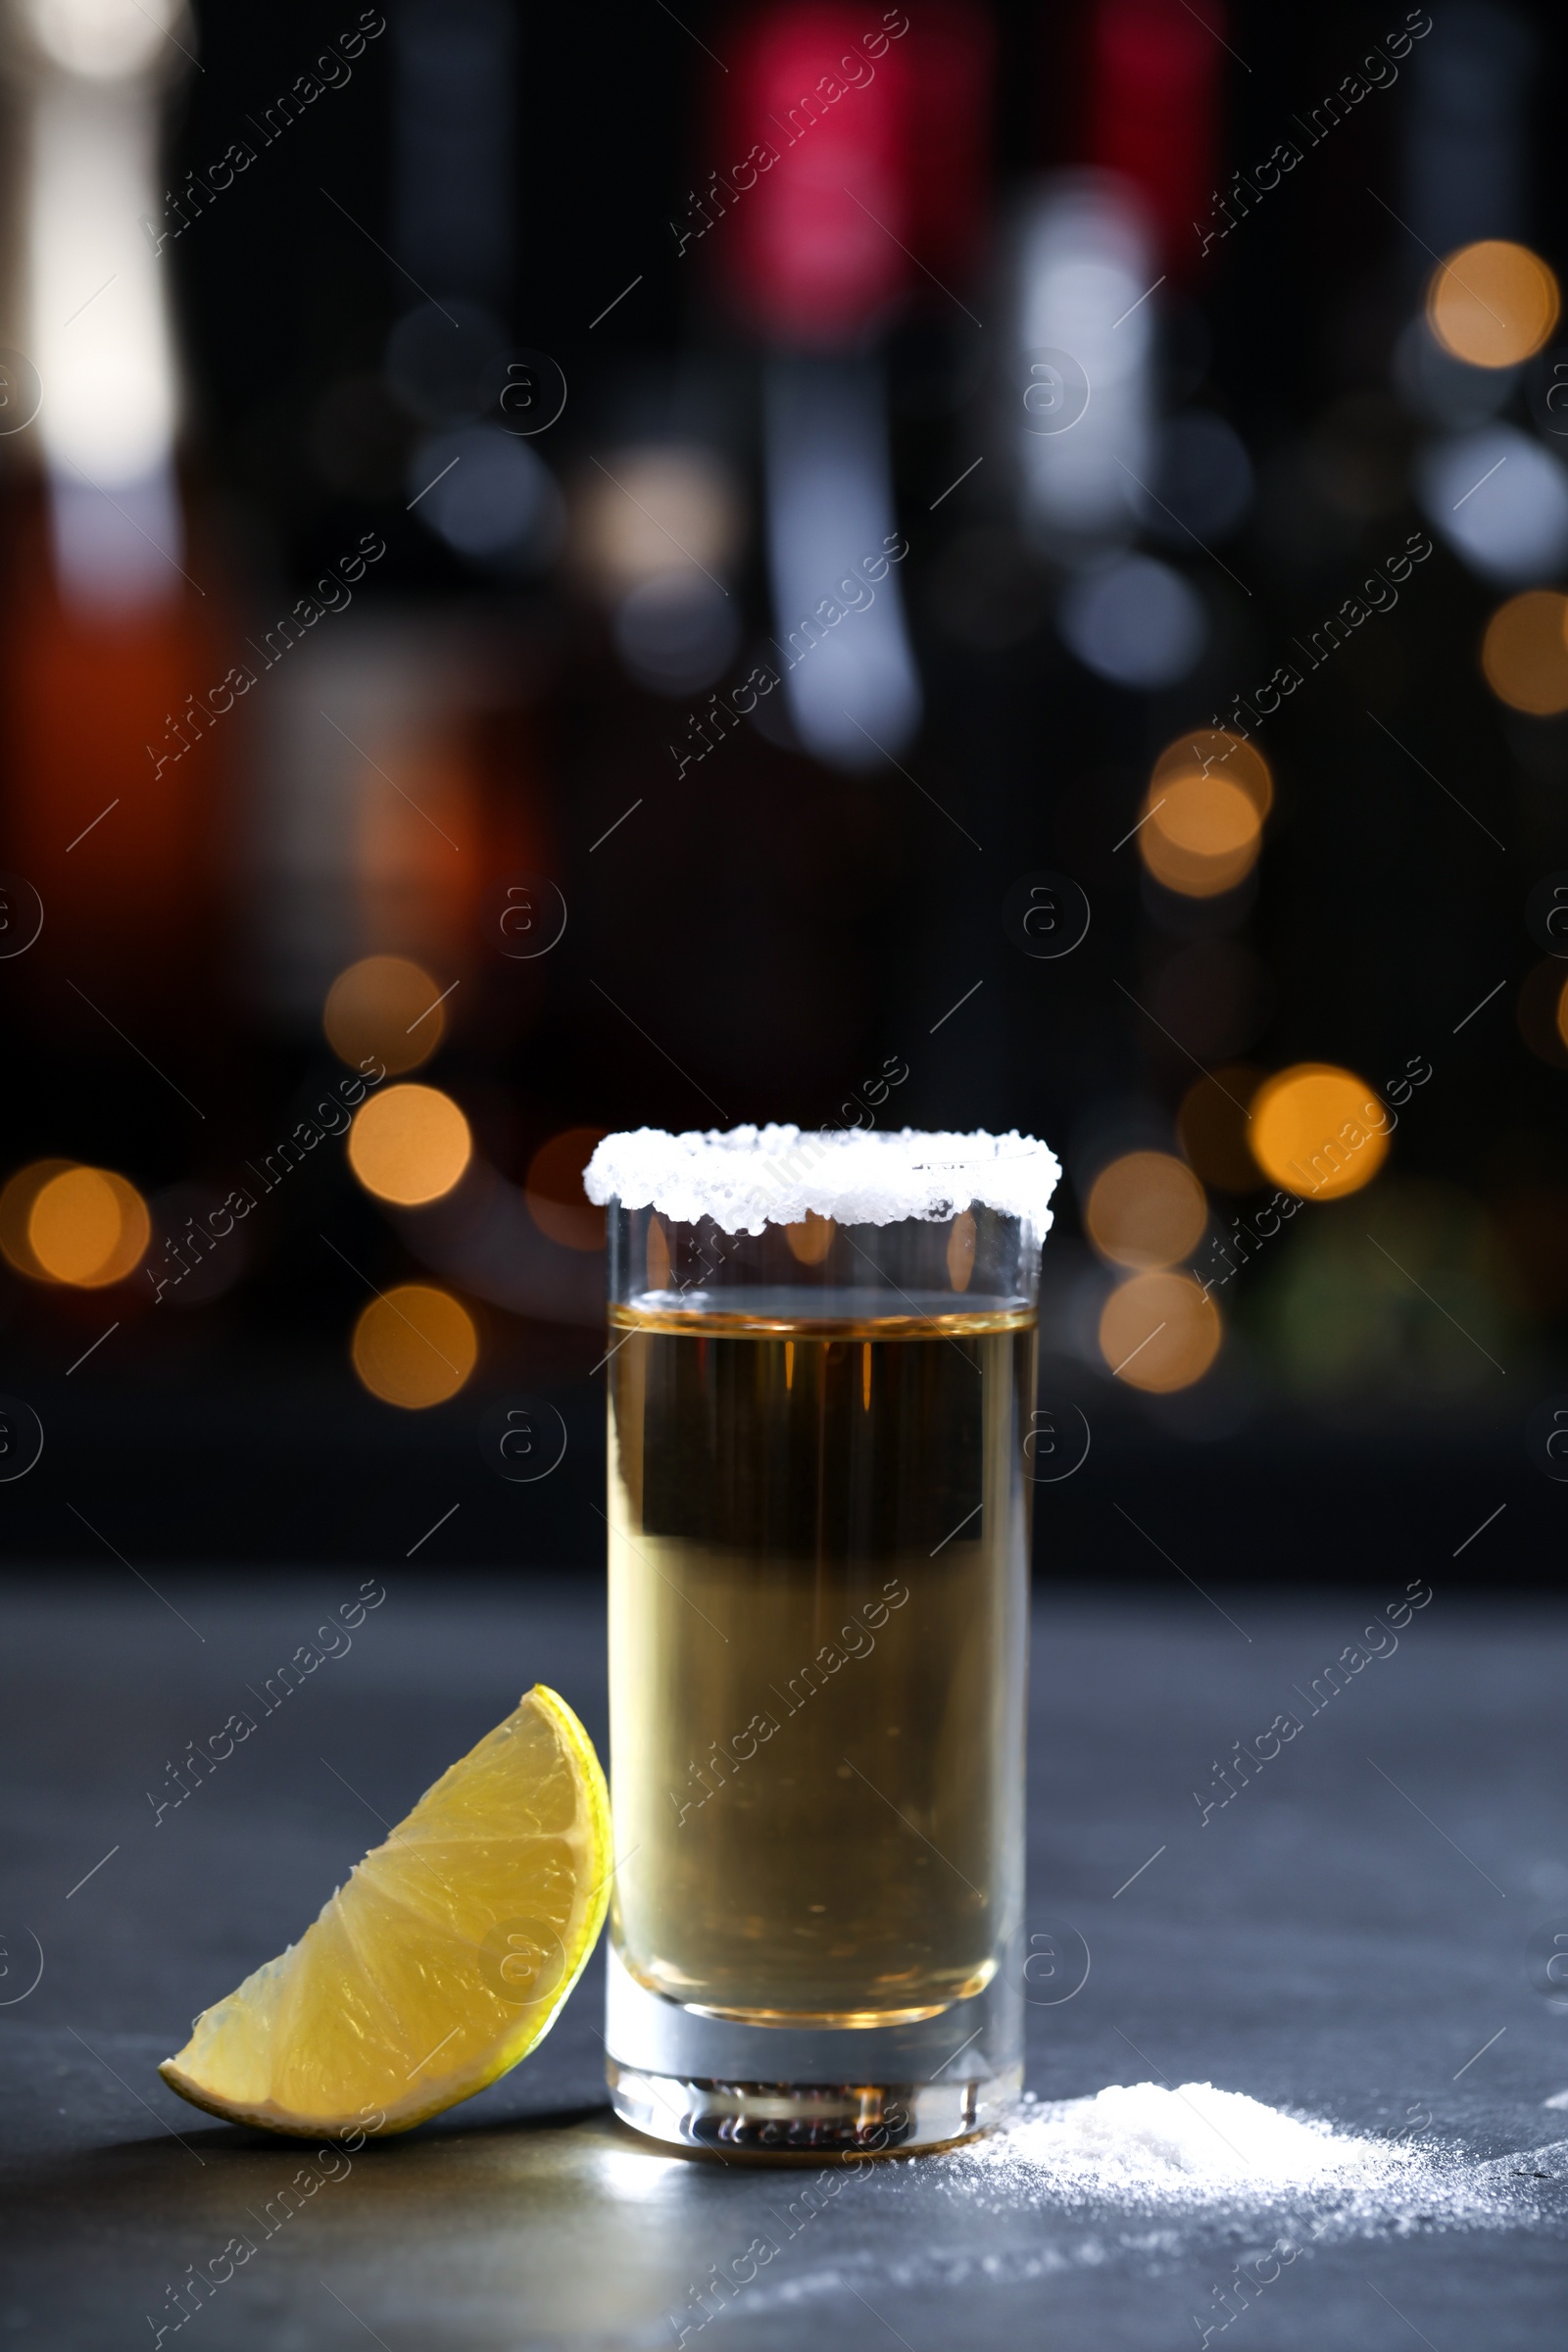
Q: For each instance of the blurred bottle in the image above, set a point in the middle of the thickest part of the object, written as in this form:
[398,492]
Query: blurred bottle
[821,117]
[1153,114]
[950,53]
[116,635]
[399,779]
[1095,254]
[399,785]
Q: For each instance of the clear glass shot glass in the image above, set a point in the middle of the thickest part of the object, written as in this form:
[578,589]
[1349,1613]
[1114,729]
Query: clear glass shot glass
[819,1524]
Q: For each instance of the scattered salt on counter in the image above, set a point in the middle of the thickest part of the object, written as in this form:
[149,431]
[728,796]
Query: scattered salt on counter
[1191,2145]
[1145,2179]
[1194,2149]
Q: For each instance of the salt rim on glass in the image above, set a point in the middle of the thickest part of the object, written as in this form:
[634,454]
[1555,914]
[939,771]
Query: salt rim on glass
[745,1178]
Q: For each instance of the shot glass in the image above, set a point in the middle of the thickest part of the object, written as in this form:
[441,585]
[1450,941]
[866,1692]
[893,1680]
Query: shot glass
[821,1375]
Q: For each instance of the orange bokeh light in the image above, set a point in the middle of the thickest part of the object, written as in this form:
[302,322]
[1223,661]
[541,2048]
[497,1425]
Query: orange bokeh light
[1159,1332]
[409,1144]
[1318,1131]
[416,1347]
[83,1227]
[387,1006]
[1525,652]
[1202,833]
[1542,1010]
[16,1210]
[1214,750]
[1145,1209]
[1493,304]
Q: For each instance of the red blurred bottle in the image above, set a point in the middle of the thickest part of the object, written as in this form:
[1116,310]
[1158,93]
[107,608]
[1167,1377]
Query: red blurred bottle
[951,51]
[1154,109]
[818,117]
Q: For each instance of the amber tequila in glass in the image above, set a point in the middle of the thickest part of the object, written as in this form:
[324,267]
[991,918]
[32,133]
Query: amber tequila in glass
[818,1571]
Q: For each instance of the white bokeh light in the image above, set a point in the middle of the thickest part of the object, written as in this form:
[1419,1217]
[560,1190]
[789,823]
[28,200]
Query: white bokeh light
[1500,501]
[1134,623]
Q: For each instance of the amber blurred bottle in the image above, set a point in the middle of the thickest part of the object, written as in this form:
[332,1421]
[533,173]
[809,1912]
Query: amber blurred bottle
[115,784]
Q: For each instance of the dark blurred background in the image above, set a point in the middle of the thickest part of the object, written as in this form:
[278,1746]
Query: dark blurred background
[663,568]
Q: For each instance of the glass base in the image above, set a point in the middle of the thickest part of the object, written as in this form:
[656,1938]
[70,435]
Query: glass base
[814,2122]
[807,2090]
